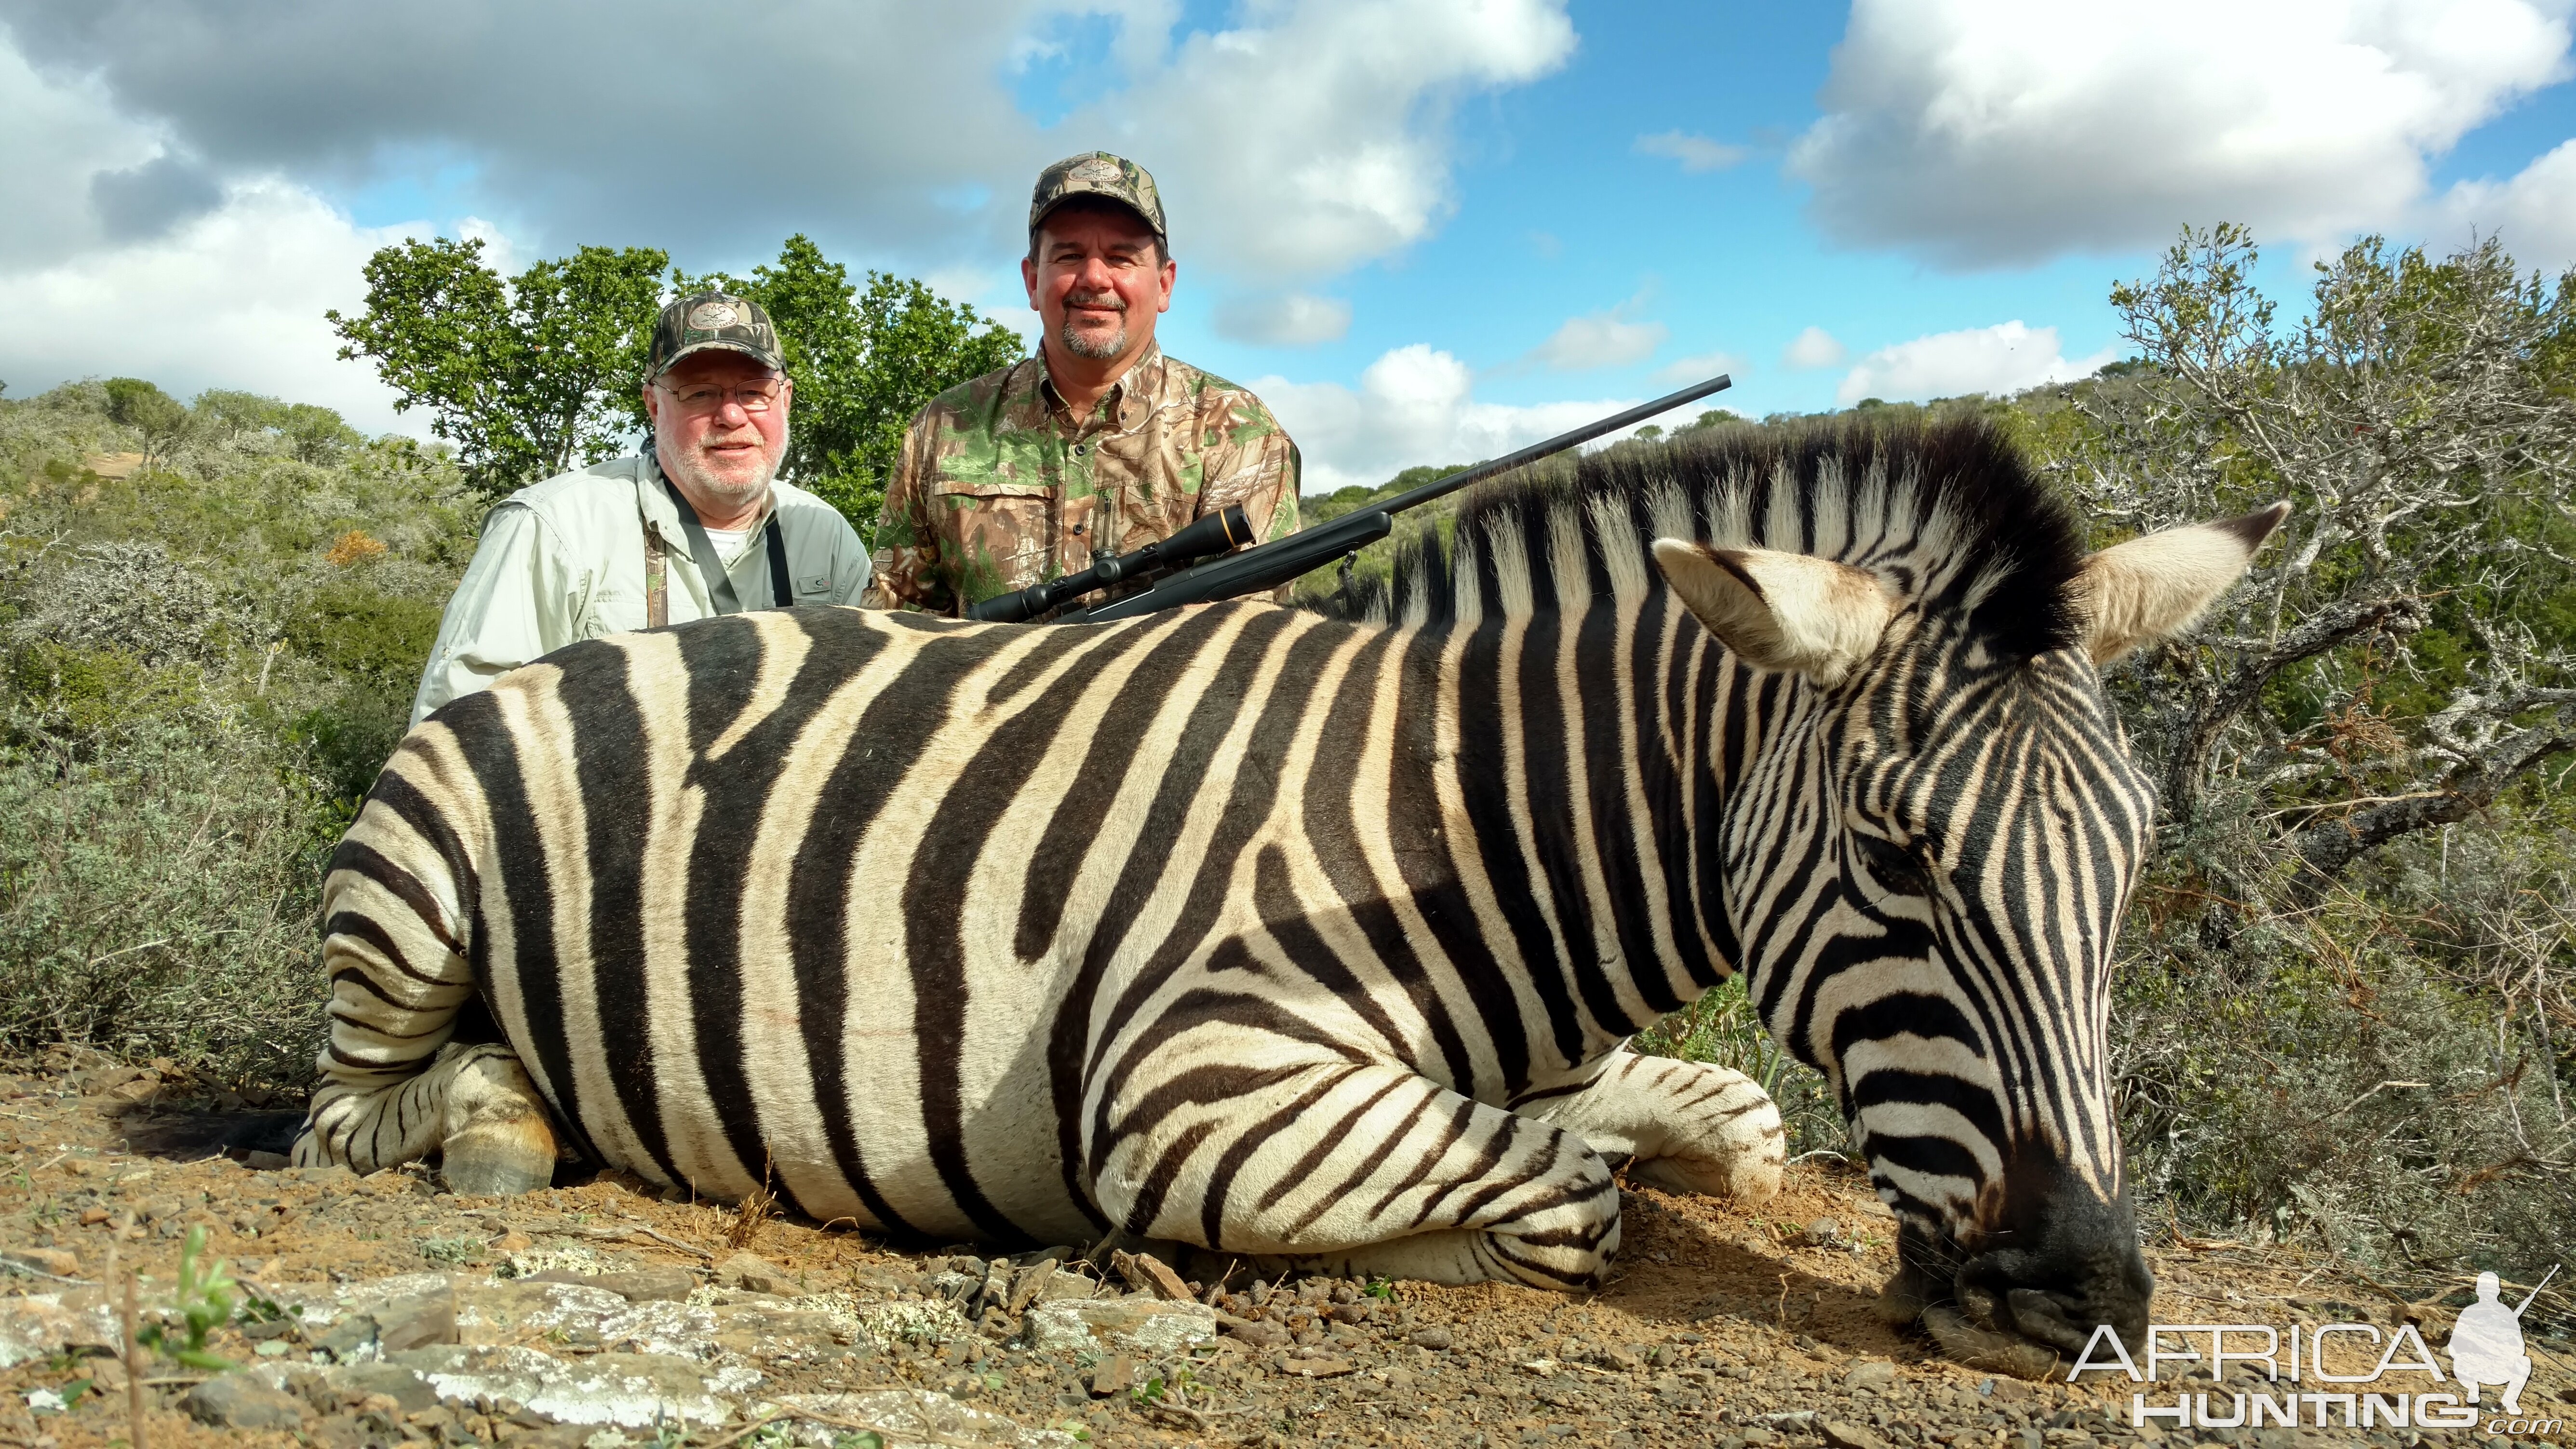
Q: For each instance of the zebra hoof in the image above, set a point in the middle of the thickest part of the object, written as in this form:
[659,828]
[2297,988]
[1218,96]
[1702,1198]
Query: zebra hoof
[1744,1177]
[495,1169]
[1984,1348]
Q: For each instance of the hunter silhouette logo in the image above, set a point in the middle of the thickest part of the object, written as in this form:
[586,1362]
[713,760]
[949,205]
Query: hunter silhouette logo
[2486,1350]
[2486,1344]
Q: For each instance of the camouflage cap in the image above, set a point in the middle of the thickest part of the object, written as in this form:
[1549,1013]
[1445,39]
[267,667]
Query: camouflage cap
[709,321]
[1097,173]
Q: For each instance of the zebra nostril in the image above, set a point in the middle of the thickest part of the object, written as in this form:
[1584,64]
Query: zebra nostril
[2045,1316]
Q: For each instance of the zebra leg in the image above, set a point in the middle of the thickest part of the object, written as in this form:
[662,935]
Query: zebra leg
[499,1141]
[395,1085]
[1685,1126]
[1360,1171]
[475,1106]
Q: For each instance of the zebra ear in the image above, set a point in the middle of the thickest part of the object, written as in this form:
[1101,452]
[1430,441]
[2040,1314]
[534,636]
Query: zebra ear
[1786,611]
[2150,589]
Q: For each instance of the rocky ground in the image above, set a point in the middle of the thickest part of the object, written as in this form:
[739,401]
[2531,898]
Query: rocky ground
[380,1311]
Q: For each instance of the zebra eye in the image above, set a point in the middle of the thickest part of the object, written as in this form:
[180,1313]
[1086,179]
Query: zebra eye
[1894,867]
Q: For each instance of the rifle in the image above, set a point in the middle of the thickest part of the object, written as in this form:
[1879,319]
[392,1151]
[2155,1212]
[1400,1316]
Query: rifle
[1180,577]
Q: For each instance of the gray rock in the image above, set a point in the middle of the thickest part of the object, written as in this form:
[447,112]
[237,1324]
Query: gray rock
[649,1285]
[630,1390]
[1258,1332]
[915,1419]
[1059,1286]
[754,1274]
[393,1380]
[1849,1436]
[1870,1374]
[1140,1324]
[1433,1338]
[417,1321]
[351,1339]
[1028,1284]
[234,1401]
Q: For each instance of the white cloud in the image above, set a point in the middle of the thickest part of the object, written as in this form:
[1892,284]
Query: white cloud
[1696,153]
[1699,367]
[1999,359]
[231,299]
[2534,214]
[1316,138]
[1815,347]
[119,257]
[63,136]
[1414,405]
[1600,339]
[1310,136]
[1994,132]
[1284,319]
[149,139]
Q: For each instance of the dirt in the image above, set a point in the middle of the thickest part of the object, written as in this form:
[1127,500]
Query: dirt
[1727,1326]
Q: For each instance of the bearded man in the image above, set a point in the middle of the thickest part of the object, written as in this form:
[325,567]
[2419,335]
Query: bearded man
[695,525]
[1097,444]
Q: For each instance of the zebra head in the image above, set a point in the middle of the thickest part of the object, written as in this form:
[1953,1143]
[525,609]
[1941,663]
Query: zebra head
[1926,856]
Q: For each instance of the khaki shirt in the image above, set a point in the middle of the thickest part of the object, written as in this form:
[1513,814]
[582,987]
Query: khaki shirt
[563,561]
[1000,486]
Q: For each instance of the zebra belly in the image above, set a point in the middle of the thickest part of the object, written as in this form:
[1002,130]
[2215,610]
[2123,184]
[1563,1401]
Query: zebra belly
[861,906]
[705,929]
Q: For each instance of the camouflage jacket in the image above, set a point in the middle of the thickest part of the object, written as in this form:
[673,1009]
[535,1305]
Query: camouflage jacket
[1000,486]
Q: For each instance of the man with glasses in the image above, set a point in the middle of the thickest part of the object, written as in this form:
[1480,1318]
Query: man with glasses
[695,525]
[1098,444]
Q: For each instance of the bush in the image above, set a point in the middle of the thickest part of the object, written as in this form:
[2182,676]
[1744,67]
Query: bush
[201,669]
[158,899]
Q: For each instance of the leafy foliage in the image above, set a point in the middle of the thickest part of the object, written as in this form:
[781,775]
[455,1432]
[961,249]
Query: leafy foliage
[199,676]
[158,417]
[524,375]
[204,1302]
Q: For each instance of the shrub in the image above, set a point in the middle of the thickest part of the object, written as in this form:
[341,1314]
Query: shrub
[157,898]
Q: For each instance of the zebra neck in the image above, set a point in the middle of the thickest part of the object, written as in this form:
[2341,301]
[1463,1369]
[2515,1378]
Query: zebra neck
[1575,752]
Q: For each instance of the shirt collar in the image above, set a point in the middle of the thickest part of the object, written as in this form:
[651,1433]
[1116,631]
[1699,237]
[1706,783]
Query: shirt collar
[1126,397]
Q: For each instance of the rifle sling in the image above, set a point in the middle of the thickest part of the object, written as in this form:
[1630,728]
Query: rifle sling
[711,569]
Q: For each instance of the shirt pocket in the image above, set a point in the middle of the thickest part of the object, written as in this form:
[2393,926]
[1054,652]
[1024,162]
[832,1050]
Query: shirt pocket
[613,610]
[996,537]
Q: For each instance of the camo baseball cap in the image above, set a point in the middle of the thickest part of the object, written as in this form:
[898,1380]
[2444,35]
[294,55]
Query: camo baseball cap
[710,321]
[1097,173]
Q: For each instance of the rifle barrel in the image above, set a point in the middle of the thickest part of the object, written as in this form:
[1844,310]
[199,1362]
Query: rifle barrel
[1273,564]
[1451,483]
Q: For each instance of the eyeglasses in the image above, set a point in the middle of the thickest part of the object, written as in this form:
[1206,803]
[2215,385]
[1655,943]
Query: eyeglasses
[699,399]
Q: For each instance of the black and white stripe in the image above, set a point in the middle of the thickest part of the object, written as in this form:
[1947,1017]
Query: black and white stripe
[1285,934]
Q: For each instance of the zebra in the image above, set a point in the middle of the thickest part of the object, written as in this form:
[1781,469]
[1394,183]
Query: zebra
[1321,940]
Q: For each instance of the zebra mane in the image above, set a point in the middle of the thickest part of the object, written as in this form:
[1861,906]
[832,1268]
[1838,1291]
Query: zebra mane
[1949,513]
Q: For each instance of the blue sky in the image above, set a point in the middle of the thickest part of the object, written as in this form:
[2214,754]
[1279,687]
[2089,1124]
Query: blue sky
[1425,229]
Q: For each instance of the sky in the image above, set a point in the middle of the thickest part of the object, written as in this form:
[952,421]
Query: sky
[1425,231]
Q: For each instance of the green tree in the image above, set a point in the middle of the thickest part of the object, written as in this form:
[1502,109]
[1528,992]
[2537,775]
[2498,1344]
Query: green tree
[238,414]
[526,375]
[159,417]
[864,362]
[2408,650]
[312,434]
